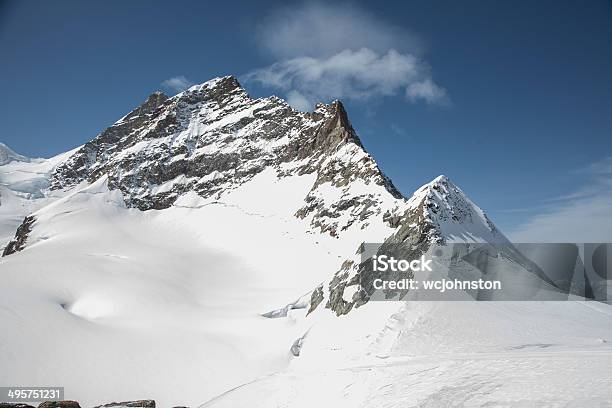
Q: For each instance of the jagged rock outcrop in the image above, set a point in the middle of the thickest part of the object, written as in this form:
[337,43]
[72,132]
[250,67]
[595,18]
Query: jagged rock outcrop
[74,404]
[131,404]
[21,236]
[59,404]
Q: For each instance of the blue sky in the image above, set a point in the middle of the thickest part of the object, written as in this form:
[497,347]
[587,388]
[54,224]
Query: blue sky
[512,101]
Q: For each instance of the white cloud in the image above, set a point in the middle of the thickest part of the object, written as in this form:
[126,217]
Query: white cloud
[298,101]
[321,30]
[427,91]
[177,83]
[584,215]
[358,75]
[340,52]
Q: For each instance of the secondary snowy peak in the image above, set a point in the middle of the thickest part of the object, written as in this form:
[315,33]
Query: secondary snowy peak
[8,155]
[213,138]
[444,202]
[436,214]
[441,212]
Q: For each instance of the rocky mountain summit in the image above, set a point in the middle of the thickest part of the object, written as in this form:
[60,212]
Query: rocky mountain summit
[213,138]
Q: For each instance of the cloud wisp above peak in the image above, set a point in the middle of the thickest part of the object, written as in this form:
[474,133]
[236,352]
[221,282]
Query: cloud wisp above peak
[427,91]
[327,52]
[177,83]
[321,30]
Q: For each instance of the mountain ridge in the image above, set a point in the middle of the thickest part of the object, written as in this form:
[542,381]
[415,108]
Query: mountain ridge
[213,138]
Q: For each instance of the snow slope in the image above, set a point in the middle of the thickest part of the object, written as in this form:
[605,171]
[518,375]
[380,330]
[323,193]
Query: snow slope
[167,305]
[159,304]
[439,354]
[158,249]
[24,187]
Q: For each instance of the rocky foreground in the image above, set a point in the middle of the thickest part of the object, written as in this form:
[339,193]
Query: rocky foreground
[75,404]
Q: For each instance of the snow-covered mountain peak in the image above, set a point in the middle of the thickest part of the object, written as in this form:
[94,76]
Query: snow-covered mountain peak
[262,209]
[449,214]
[437,213]
[224,84]
[8,155]
[213,139]
[443,199]
[441,179]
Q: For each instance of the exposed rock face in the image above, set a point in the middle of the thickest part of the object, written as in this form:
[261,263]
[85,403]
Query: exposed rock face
[213,138]
[59,404]
[75,404]
[14,405]
[21,236]
[131,404]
